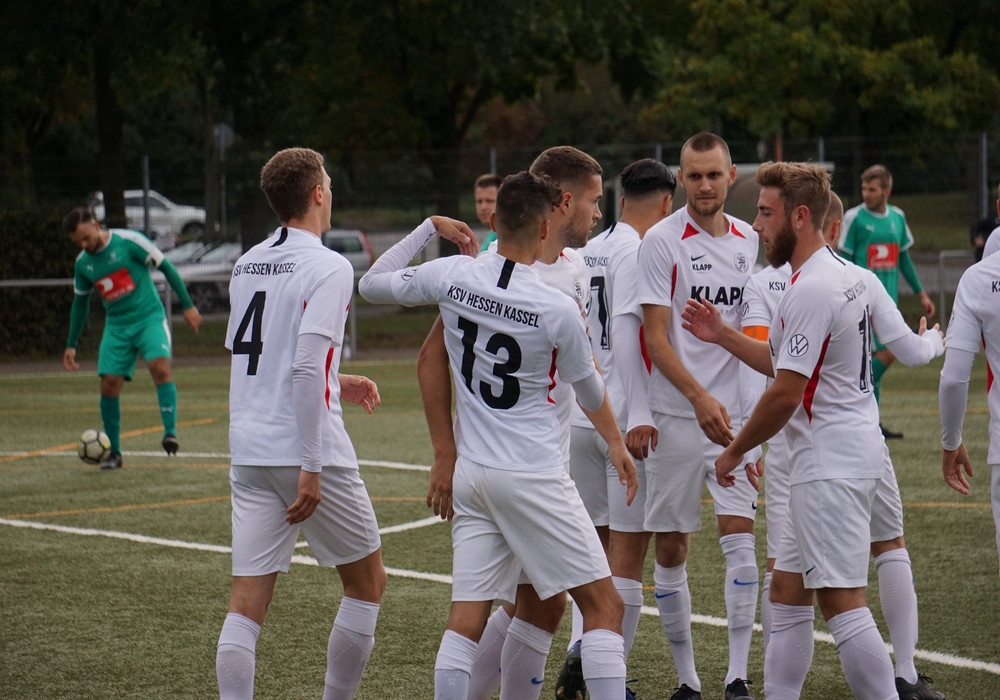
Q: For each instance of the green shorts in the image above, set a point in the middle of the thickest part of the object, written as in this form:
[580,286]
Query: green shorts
[121,345]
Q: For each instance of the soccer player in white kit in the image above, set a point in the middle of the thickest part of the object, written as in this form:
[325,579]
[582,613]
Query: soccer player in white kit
[698,251]
[614,321]
[522,632]
[974,324]
[897,594]
[822,395]
[293,466]
[514,503]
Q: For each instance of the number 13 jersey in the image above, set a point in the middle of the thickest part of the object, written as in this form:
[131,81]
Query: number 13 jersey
[286,286]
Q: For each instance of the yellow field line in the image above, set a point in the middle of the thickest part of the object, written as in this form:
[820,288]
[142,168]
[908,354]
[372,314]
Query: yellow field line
[130,434]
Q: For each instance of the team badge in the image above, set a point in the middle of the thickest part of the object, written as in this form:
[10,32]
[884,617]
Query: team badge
[798,345]
[408,274]
[741,263]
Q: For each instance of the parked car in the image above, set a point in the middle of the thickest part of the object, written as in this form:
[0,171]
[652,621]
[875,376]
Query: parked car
[205,272]
[353,245]
[168,221]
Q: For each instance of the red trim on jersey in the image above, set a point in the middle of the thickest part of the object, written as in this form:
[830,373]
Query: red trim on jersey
[645,353]
[329,364]
[552,376]
[673,280]
[689,231]
[807,397]
[733,230]
[794,277]
[989,370]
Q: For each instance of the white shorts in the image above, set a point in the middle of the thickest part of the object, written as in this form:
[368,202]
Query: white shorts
[342,530]
[777,483]
[887,510]
[506,521]
[827,536]
[588,465]
[677,471]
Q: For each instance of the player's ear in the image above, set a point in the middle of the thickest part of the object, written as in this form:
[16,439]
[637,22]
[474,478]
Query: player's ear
[493,221]
[543,230]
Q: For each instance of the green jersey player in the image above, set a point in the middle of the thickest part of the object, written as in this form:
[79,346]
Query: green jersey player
[876,237]
[118,265]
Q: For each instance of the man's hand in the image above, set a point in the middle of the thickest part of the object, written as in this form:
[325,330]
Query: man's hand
[439,487]
[193,318]
[623,464]
[69,360]
[713,419]
[309,497]
[953,462]
[925,301]
[725,465]
[458,232]
[702,319]
[360,390]
[641,439]
[754,471]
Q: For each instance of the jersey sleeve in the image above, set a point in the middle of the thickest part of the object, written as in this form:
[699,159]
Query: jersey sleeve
[965,331]
[755,309]
[574,355]
[656,270]
[326,308]
[848,236]
[624,271]
[885,315]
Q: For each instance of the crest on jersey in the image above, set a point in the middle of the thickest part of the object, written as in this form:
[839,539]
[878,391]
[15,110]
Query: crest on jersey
[741,263]
[798,345]
[408,274]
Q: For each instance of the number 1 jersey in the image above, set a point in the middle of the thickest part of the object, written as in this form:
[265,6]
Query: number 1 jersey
[284,287]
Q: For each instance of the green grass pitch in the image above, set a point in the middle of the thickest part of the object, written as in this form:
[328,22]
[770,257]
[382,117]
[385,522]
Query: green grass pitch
[115,585]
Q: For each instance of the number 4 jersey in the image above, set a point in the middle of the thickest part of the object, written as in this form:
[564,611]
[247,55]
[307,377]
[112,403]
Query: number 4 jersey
[284,287]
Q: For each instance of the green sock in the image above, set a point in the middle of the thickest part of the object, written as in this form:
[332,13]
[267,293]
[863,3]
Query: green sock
[878,369]
[167,396]
[111,417]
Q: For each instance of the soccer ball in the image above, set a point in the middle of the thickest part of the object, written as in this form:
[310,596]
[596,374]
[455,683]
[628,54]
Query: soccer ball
[94,446]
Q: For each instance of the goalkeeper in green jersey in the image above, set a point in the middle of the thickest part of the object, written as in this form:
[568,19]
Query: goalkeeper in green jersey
[118,264]
[876,237]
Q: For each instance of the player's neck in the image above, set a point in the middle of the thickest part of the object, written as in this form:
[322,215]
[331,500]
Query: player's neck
[805,248]
[308,223]
[551,249]
[716,225]
[516,253]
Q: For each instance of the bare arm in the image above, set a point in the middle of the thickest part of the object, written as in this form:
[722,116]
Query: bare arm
[711,414]
[703,320]
[435,392]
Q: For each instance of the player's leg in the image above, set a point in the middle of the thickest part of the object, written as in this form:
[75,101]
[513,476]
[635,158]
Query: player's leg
[526,648]
[115,364]
[776,486]
[154,344]
[458,649]
[674,479]
[486,669]
[601,646]
[236,655]
[790,651]
[111,412]
[995,496]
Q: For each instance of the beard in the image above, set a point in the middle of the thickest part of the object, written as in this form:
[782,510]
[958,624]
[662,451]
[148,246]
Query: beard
[782,246]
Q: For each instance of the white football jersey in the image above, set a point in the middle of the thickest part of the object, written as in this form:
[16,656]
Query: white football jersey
[678,261]
[611,258]
[762,293]
[823,331]
[283,287]
[507,333]
[570,276]
[975,323]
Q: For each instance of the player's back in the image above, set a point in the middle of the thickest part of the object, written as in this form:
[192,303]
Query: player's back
[506,332]
[824,333]
[287,285]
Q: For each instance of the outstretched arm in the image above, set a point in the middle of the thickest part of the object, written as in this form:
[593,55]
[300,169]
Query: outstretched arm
[702,319]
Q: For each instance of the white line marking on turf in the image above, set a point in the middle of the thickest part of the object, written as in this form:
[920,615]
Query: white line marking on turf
[933,656]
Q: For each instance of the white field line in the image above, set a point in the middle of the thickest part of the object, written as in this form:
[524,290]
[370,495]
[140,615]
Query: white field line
[933,656]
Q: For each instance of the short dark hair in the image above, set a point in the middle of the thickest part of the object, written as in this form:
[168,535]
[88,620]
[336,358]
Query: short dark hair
[488,180]
[877,172]
[565,166]
[288,178]
[706,141]
[647,176]
[524,201]
[77,216]
[800,184]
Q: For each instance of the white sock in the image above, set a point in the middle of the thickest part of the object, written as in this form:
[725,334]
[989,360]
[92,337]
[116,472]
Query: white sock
[899,606]
[453,666]
[790,651]
[631,593]
[351,641]
[236,657]
[486,668]
[673,599]
[765,608]
[741,599]
[863,655]
[576,628]
[523,661]
[603,655]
